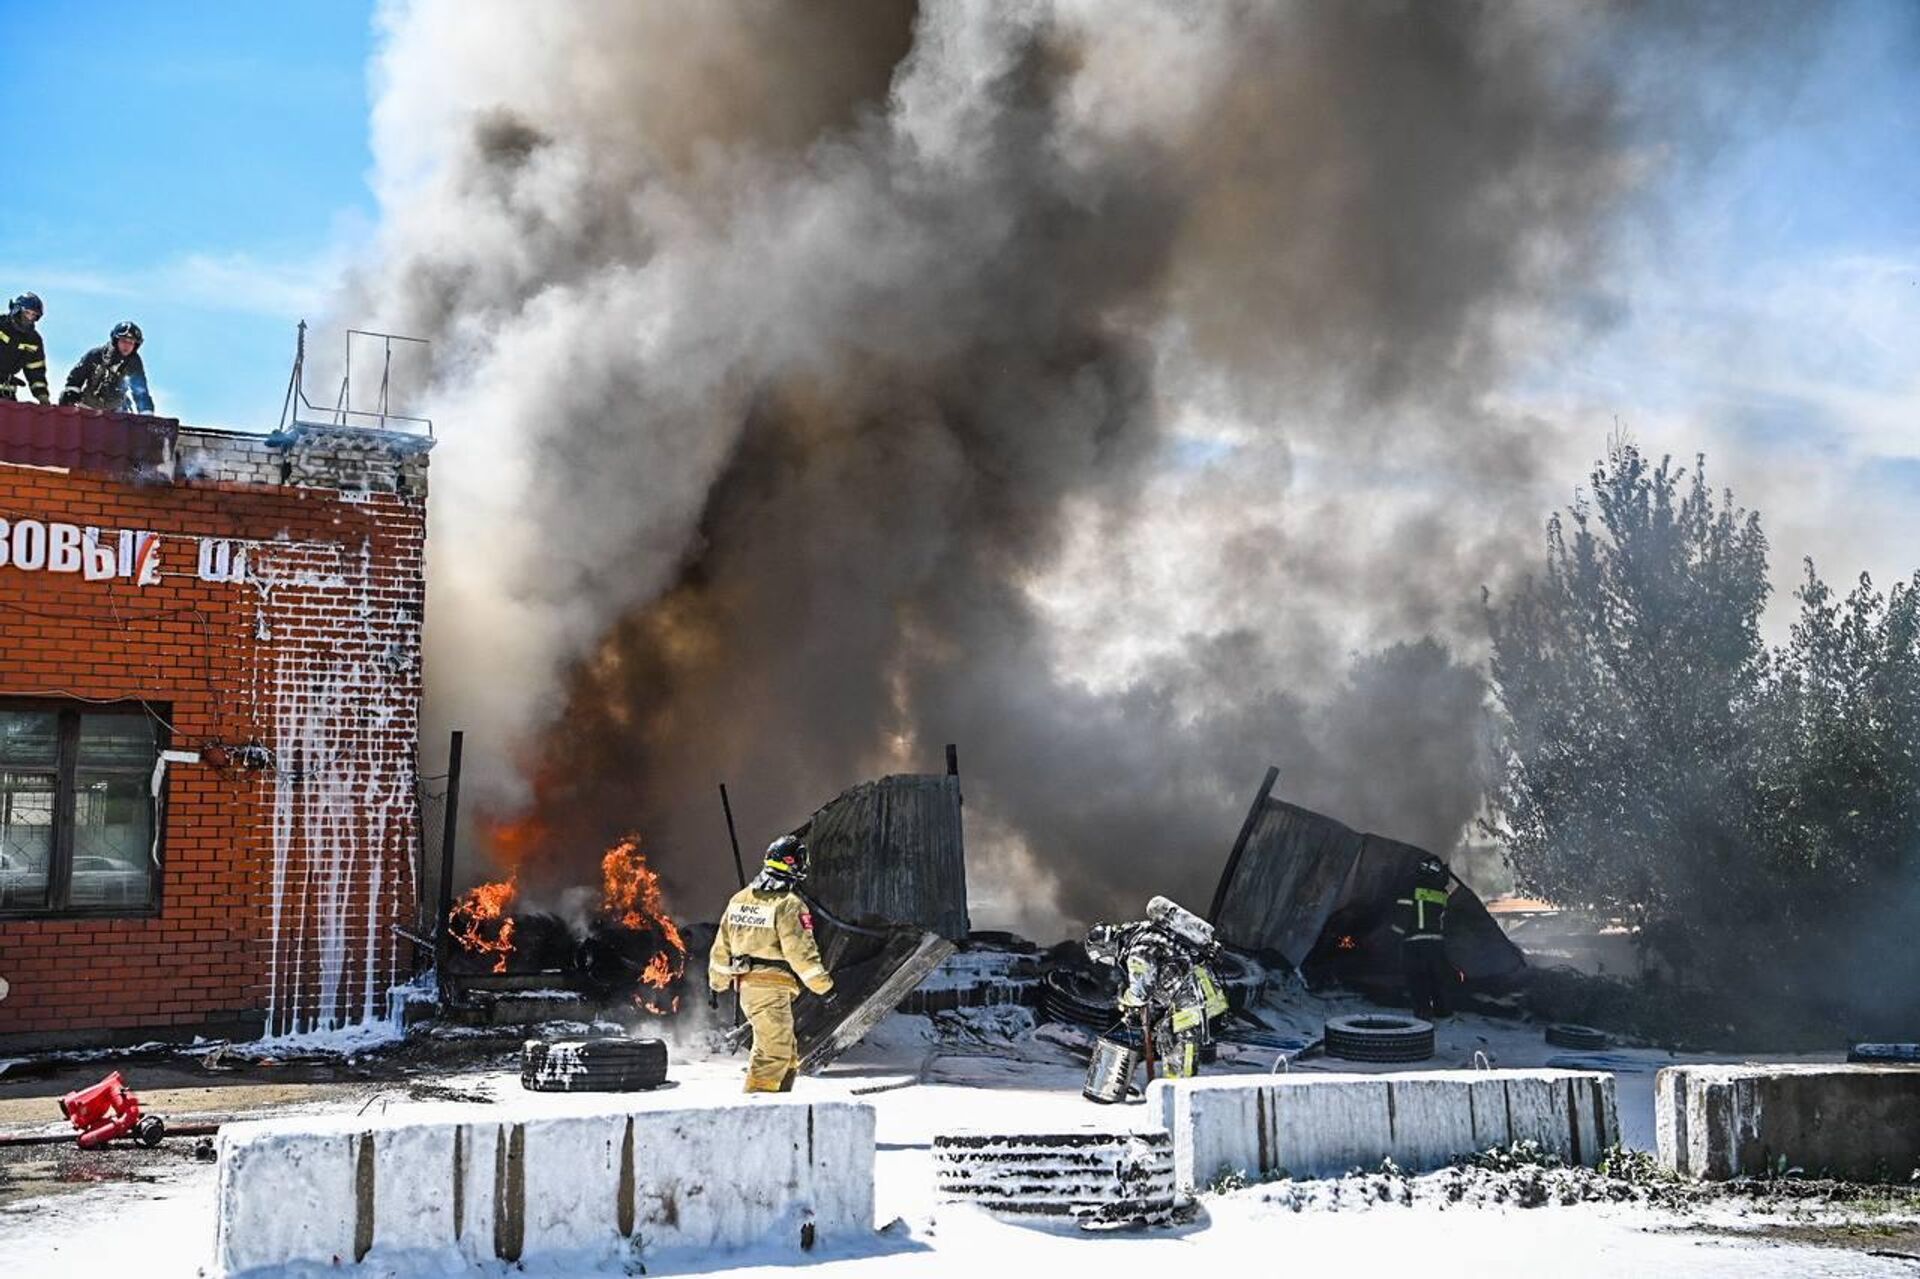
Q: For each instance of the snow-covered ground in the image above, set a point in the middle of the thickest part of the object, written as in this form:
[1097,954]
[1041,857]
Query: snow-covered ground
[986,1070]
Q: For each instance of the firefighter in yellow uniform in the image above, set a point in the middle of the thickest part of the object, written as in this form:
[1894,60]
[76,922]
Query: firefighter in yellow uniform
[765,949]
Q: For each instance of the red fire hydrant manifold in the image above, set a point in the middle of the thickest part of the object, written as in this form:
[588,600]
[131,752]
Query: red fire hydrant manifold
[107,1110]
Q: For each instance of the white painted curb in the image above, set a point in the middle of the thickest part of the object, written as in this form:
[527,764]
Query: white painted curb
[1325,1125]
[490,1184]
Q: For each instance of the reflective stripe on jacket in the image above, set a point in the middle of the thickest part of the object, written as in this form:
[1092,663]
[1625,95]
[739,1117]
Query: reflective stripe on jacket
[23,353]
[1423,916]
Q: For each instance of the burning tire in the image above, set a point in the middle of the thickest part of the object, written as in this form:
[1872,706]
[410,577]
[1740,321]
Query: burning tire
[1379,1037]
[593,1065]
[1567,1035]
[1091,1178]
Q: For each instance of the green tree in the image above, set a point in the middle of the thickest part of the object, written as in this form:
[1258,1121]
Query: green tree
[1837,813]
[1626,678]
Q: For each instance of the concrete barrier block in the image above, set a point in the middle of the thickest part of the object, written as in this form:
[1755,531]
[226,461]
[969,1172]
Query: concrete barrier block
[1323,1125]
[1857,1121]
[1670,1135]
[1430,1121]
[505,1184]
[1318,1136]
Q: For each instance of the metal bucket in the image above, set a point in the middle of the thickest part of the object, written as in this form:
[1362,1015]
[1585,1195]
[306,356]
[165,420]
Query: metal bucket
[1110,1073]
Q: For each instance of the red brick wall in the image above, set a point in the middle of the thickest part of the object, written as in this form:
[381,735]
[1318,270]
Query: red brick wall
[279,886]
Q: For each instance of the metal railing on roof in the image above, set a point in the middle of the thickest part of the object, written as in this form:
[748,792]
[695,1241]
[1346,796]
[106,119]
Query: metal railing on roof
[299,410]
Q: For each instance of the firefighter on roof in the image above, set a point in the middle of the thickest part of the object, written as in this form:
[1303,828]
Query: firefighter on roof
[765,951]
[22,351]
[1420,917]
[1163,961]
[112,378]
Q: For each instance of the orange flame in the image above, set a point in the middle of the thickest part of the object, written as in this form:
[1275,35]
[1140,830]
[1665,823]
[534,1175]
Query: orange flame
[630,894]
[480,923]
[513,842]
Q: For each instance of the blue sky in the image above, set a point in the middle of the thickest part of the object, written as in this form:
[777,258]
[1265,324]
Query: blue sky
[199,168]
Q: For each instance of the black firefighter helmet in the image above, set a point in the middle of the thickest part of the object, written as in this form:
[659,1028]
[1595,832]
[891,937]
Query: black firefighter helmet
[787,858]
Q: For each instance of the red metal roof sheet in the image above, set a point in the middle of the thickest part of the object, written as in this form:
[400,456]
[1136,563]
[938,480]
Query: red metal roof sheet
[85,439]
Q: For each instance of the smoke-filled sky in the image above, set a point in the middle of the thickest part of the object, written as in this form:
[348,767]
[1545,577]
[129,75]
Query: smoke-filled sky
[1121,393]
[1134,394]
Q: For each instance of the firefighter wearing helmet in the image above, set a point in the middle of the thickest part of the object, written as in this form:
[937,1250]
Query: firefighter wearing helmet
[1420,917]
[766,952]
[22,351]
[1163,961]
[111,378]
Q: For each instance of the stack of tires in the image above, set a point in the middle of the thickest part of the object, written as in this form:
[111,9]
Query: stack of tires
[1379,1037]
[1078,998]
[1092,1179]
[592,1065]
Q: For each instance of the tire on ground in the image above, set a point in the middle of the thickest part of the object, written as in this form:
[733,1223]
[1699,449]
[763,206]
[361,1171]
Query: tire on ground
[1091,1178]
[592,1065]
[1379,1037]
[1567,1035]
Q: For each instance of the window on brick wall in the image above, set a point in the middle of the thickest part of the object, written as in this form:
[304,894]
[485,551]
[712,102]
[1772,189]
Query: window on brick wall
[77,810]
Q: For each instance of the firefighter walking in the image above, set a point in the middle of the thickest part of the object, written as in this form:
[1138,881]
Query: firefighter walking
[1163,964]
[1420,917]
[766,952]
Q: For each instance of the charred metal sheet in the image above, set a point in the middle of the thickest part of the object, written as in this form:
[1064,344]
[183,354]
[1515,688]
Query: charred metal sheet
[892,851]
[870,978]
[1316,891]
[888,877]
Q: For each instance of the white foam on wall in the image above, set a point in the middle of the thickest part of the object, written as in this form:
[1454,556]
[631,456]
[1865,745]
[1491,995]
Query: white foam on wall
[341,652]
[1326,1125]
[479,1185]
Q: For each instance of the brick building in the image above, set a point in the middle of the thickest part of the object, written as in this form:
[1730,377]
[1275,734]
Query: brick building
[209,694]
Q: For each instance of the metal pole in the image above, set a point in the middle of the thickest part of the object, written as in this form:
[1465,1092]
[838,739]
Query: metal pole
[739,868]
[449,824]
[289,408]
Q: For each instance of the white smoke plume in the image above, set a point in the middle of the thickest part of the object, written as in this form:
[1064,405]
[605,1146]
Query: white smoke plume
[1079,382]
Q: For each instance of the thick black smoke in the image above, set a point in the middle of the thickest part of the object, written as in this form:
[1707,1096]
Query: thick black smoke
[1081,383]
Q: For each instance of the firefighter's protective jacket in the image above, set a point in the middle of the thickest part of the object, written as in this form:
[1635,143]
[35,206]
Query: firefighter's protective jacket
[1421,915]
[22,351]
[765,930]
[1165,974]
[106,380]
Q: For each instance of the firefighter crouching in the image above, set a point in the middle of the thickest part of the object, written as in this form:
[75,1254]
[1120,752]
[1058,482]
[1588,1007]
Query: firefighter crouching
[1163,962]
[765,950]
[1420,917]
